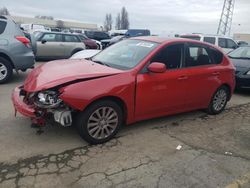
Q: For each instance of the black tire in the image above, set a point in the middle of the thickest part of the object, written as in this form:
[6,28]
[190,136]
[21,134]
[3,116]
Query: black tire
[82,119]
[212,110]
[98,46]
[9,70]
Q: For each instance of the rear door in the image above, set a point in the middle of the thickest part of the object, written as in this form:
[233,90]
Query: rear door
[203,75]
[70,44]
[159,94]
[50,45]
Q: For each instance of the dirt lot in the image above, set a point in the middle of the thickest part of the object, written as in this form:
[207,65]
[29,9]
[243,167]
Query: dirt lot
[215,151]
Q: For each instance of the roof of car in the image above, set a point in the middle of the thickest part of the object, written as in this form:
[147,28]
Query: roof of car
[164,40]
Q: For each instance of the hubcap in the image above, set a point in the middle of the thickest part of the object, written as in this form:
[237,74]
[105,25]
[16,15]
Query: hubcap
[3,71]
[220,100]
[102,122]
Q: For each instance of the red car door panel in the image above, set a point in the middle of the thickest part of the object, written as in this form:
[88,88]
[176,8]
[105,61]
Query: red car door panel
[160,94]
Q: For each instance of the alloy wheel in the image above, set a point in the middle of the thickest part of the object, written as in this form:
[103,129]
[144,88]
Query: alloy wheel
[220,99]
[102,122]
[3,71]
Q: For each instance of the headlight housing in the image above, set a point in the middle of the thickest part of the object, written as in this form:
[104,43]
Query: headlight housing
[47,99]
[248,72]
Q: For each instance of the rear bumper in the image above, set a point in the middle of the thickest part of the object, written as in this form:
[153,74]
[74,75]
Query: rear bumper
[20,106]
[24,61]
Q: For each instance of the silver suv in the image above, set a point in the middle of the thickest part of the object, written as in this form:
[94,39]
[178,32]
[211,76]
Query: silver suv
[55,45]
[15,49]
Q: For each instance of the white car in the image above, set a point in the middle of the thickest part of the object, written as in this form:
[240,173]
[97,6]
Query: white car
[85,54]
[226,43]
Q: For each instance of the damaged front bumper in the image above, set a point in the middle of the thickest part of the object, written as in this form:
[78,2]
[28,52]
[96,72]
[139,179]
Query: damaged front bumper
[37,115]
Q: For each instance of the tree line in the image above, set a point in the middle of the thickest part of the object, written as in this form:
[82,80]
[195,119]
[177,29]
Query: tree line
[121,21]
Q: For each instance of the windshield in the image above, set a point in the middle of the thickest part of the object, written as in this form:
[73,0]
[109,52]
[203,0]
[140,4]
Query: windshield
[126,54]
[240,53]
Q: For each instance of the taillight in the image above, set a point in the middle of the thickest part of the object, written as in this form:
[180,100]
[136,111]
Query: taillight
[24,40]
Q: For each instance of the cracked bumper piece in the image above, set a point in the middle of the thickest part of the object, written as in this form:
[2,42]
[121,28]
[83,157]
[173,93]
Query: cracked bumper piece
[20,106]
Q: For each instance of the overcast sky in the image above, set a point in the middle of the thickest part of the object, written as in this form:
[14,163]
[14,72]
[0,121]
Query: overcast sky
[160,16]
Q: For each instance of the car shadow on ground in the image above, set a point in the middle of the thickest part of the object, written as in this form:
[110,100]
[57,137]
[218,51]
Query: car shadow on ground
[245,92]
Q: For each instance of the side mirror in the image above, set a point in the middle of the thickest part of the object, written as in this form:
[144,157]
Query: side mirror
[43,41]
[156,67]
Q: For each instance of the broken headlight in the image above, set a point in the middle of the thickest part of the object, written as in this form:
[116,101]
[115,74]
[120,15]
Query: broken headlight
[47,99]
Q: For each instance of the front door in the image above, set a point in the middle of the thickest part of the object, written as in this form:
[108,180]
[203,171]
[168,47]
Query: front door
[159,94]
[50,46]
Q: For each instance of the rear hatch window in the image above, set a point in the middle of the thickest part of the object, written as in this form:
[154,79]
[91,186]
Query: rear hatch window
[191,37]
[2,26]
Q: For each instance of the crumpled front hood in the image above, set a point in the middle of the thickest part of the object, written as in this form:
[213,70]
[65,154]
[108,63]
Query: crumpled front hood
[61,72]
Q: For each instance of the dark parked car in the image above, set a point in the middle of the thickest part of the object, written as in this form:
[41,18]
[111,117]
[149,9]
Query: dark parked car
[97,35]
[241,60]
[128,34]
[15,49]
[89,43]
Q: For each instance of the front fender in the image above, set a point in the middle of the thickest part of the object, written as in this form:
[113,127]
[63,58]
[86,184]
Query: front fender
[80,95]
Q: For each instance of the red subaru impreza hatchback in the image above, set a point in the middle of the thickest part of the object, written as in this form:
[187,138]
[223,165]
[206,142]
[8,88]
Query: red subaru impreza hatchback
[133,80]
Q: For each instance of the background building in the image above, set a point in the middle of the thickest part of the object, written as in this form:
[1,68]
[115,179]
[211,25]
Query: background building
[242,36]
[55,23]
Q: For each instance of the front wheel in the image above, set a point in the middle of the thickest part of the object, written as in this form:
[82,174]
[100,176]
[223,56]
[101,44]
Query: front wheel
[99,122]
[219,101]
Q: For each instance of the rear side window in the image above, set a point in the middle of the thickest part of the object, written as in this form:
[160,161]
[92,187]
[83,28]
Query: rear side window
[2,26]
[197,55]
[222,43]
[71,38]
[210,40]
[216,55]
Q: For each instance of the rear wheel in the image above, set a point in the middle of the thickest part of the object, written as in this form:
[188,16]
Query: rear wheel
[99,122]
[219,101]
[6,70]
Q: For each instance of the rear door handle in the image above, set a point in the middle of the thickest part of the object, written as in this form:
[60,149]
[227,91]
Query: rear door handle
[215,73]
[183,78]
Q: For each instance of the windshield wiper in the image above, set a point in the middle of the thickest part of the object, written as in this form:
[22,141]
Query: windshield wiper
[100,62]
